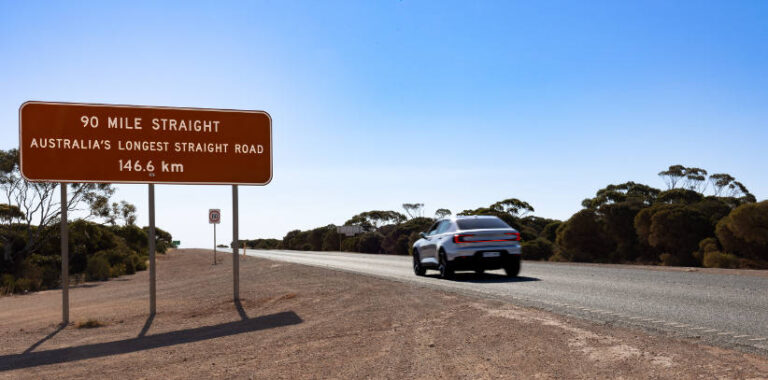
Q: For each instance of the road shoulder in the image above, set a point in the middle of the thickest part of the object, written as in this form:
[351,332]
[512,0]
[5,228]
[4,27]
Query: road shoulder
[314,322]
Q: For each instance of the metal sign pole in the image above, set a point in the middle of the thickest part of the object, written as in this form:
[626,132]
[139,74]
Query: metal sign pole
[151,238]
[64,258]
[235,257]
[214,243]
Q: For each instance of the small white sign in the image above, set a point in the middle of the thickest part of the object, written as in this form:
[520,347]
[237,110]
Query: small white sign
[214,216]
[349,230]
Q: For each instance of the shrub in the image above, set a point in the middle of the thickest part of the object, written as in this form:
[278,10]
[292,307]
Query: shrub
[331,240]
[306,247]
[47,267]
[97,269]
[550,231]
[90,324]
[539,249]
[130,264]
[744,232]
[32,273]
[349,244]
[669,260]
[707,245]
[24,285]
[7,284]
[370,242]
[582,238]
[678,231]
[117,270]
[140,262]
[716,259]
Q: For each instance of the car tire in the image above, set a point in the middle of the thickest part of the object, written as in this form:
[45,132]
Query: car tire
[418,269]
[446,271]
[512,267]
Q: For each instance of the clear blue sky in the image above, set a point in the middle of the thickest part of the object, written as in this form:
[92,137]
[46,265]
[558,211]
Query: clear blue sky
[374,104]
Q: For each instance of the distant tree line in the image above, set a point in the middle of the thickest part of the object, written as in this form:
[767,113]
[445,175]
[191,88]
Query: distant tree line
[30,234]
[698,220]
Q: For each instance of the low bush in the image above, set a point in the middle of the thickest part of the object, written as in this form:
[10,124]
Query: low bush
[97,269]
[7,284]
[669,260]
[538,249]
[349,244]
[23,285]
[117,270]
[716,259]
[140,262]
[90,324]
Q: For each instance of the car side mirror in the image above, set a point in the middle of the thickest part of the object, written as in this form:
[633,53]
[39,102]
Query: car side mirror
[423,235]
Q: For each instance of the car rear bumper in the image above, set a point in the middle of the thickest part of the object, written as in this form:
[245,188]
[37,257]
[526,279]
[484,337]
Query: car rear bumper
[477,261]
[478,257]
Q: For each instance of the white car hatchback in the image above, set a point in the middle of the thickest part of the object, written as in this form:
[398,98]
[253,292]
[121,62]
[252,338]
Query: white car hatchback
[478,243]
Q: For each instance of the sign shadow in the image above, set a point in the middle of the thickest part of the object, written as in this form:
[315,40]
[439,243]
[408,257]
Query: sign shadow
[144,342]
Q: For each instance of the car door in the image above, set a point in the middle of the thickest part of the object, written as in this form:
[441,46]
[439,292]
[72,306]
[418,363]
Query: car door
[444,232]
[429,248]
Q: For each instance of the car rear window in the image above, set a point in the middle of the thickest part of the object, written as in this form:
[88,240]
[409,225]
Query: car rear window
[481,223]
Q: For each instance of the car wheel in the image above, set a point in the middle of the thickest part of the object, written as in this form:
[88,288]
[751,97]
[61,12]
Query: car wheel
[446,272]
[418,269]
[512,267]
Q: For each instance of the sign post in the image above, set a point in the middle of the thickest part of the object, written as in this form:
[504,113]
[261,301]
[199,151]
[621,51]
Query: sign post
[235,238]
[151,241]
[101,143]
[214,217]
[64,257]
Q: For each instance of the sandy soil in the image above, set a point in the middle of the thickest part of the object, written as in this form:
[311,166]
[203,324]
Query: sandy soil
[303,322]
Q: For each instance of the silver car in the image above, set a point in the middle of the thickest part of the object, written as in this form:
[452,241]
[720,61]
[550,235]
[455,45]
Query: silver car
[468,243]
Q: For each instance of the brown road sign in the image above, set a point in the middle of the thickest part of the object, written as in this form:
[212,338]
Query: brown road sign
[69,142]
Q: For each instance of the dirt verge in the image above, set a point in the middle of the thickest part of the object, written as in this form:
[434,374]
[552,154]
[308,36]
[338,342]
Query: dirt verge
[303,322]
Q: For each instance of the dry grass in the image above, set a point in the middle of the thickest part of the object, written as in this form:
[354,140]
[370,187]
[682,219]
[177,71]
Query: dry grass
[90,324]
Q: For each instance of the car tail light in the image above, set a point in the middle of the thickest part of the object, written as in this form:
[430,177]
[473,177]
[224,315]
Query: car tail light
[460,238]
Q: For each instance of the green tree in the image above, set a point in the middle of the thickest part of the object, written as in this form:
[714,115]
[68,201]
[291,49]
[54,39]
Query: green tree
[677,231]
[442,213]
[513,207]
[619,226]
[673,175]
[628,191]
[550,231]
[370,242]
[413,209]
[39,201]
[376,218]
[679,196]
[331,240]
[744,232]
[582,238]
[538,249]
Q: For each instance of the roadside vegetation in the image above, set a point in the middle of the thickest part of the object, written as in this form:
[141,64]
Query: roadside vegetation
[698,220]
[105,244]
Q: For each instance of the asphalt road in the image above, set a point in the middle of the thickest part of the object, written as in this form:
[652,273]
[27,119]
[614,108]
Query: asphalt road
[725,309]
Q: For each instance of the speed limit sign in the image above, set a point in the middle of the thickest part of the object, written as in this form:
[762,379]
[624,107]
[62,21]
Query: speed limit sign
[214,216]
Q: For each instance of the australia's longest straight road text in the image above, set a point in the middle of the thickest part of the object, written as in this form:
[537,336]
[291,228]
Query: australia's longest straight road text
[729,310]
